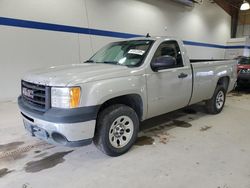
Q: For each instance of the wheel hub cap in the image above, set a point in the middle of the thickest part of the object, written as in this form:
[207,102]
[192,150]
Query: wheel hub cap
[121,131]
[220,100]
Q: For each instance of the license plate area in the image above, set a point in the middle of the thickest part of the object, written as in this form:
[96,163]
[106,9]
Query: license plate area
[35,130]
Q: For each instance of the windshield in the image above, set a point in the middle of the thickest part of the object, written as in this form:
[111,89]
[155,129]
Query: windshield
[128,53]
[244,61]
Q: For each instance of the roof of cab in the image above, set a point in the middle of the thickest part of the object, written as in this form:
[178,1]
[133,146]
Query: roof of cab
[152,38]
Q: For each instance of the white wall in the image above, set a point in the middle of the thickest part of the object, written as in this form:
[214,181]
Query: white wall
[243,50]
[23,49]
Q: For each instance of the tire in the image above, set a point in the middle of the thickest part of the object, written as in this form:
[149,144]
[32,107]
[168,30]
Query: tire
[216,104]
[117,129]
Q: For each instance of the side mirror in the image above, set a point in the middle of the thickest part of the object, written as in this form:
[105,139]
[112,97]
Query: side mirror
[163,62]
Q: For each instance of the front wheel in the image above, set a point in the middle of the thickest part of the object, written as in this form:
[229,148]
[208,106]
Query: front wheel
[216,103]
[117,129]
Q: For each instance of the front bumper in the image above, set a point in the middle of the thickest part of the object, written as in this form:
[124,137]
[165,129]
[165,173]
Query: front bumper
[69,127]
[243,79]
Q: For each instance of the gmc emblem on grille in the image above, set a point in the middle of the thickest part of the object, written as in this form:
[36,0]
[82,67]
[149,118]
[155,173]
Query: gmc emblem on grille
[28,93]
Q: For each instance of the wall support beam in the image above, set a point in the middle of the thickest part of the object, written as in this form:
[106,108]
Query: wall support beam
[234,23]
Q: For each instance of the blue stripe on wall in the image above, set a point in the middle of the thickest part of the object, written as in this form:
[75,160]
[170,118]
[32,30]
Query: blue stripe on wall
[81,30]
[62,28]
[203,44]
[191,43]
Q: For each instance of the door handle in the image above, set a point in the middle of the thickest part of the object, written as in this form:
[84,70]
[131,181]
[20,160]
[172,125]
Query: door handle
[182,75]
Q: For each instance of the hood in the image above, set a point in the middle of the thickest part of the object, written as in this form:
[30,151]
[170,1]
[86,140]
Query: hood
[69,75]
[243,67]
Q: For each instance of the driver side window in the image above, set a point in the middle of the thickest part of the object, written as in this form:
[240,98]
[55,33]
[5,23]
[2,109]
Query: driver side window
[169,48]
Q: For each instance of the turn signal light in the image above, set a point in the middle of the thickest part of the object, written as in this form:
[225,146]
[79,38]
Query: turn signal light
[75,94]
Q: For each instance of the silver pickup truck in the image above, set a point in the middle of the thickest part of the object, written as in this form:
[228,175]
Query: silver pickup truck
[105,98]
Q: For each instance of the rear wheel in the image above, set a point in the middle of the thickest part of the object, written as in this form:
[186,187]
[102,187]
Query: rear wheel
[117,129]
[216,103]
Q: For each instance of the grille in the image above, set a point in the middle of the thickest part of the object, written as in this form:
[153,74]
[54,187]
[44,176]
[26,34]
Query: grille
[245,71]
[36,96]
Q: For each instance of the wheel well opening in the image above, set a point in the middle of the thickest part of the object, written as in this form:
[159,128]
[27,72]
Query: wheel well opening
[132,100]
[224,81]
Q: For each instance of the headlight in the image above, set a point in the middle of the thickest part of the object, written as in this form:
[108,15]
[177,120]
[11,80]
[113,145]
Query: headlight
[65,97]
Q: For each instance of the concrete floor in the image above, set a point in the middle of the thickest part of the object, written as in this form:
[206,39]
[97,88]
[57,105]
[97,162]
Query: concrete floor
[186,148]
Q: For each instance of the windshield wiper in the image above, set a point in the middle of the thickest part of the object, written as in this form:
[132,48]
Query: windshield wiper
[111,62]
[105,62]
[114,63]
[89,61]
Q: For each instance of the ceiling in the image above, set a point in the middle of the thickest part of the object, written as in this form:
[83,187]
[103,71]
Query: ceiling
[236,3]
[230,6]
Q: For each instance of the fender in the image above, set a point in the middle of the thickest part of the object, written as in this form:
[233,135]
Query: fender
[101,91]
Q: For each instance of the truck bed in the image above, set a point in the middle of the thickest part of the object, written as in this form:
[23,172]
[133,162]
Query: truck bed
[205,74]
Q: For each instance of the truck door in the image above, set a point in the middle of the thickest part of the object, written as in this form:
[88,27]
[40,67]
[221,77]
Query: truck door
[168,89]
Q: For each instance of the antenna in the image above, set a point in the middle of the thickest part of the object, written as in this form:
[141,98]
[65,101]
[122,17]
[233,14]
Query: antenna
[148,35]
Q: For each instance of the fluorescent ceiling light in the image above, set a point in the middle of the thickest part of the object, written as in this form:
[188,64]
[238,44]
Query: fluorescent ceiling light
[245,5]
